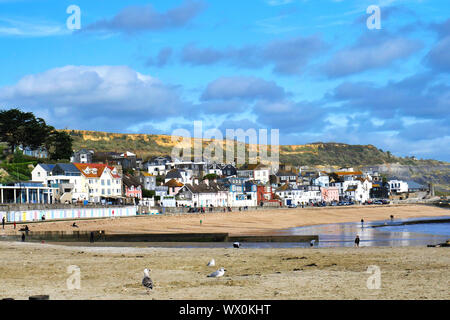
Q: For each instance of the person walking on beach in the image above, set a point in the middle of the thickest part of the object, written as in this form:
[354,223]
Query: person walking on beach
[362,223]
[357,241]
[23,237]
[14,224]
[3,222]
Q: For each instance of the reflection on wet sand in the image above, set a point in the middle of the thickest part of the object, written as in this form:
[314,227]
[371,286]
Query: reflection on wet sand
[330,235]
[392,234]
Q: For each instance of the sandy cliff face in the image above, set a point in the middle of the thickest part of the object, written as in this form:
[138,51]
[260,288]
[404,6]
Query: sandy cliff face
[321,155]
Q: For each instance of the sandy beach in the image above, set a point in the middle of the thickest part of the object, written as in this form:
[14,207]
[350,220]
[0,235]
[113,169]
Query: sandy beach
[331,273]
[238,223]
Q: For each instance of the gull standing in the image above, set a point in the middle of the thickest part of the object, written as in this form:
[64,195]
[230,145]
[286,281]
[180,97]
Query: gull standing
[218,273]
[236,245]
[212,263]
[147,282]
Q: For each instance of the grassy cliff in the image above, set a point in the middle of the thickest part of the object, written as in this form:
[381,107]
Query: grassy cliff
[325,154]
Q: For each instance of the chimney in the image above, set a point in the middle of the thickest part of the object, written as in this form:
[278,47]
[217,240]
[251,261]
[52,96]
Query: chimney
[206,182]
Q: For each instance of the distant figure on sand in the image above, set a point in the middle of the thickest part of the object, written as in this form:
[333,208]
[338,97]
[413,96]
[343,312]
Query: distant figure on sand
[357,241]
[362,223]
[392,218]
[75,225]
[312,243]
[23,237]
[3,222]
[92,237]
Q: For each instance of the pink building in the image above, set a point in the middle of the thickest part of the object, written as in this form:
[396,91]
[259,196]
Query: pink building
[330,194]
[132,187]
[174,186]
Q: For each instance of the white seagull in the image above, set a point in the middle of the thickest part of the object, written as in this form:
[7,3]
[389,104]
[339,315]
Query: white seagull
[212,263]
[147,282]
[218,273]
[236,245]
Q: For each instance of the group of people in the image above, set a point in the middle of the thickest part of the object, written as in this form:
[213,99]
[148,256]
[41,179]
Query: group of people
[362,226]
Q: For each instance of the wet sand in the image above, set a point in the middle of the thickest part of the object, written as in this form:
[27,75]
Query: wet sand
[240,223]
[297,273]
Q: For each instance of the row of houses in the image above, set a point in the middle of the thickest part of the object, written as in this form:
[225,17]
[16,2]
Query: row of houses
[175,182]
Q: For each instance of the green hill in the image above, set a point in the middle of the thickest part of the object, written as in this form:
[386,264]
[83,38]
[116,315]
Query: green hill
[315,154]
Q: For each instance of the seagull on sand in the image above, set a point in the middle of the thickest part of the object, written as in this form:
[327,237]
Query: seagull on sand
[147,282]
[218,273]
[236,245]
[212,263]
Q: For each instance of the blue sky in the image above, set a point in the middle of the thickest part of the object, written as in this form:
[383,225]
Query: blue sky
[310,68]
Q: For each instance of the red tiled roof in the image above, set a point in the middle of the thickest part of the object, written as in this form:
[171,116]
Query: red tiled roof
[100,167]
[346,173]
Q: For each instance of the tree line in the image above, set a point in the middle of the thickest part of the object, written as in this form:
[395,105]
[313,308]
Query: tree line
[19,128]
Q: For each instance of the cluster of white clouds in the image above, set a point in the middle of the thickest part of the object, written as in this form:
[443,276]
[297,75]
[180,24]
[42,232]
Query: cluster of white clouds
[406,115]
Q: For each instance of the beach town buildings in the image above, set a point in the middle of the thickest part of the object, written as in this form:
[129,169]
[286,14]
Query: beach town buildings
[22,192]
[265,195]
[102,181]
[82,156]
[207,193]
[330,194]
[291,195]
[131,188]
[147,180]
[173,186]
[40,152]
[229,170]
[183,176]
[214,168]
[398,186]
[64,176]
[178,182]
[283,177]
[256,172]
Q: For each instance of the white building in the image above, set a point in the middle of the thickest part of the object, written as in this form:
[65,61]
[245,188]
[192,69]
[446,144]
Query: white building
[358,190]
[295,195]
[241,193]
[102,181]
[398,186]
[204,194]
[64,176]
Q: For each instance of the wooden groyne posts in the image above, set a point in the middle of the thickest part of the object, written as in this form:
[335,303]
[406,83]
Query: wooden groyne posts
[81,236]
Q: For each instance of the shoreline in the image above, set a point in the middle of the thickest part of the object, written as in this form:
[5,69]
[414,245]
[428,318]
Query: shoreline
[239,223]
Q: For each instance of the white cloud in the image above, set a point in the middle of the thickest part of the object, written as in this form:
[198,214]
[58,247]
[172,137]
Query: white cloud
[95,96]
[28,28]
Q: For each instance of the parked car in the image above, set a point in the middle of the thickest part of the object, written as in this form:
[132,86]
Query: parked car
[292,206]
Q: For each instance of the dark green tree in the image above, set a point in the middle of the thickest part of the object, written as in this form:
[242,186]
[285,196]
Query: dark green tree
[22,128]
[211,176]
[59,145]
